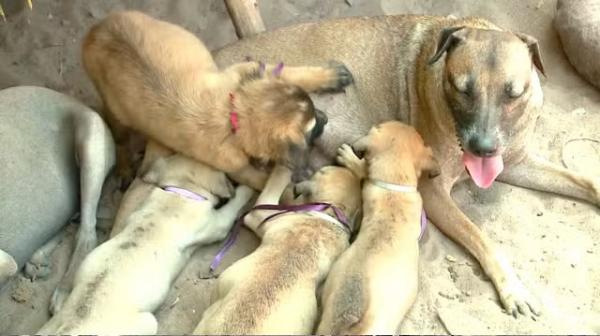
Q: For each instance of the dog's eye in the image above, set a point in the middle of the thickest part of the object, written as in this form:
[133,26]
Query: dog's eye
[514,91]
[461,86]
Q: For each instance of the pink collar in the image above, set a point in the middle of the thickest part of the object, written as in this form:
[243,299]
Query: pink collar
[233,115]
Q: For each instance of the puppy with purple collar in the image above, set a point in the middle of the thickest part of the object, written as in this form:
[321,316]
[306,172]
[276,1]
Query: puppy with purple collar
[374,282]
[274,289]
[121,282]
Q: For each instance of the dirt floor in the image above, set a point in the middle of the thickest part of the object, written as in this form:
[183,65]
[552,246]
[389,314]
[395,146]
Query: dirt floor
[552,242]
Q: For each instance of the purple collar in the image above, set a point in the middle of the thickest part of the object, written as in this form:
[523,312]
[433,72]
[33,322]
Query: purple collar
[185,193]
[307,207]
[423,223]
[284,209]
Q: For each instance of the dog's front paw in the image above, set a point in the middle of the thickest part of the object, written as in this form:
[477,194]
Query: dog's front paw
[517,299]
[342,77]
[38,267]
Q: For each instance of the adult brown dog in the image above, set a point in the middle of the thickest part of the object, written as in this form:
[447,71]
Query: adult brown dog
[463,83]
[160,80]
[381,265]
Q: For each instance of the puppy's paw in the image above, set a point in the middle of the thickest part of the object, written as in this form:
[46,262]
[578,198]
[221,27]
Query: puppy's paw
[341,76]
[347,158]
[516,299]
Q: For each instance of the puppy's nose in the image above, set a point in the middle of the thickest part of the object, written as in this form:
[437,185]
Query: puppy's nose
[302,174]
[483,146]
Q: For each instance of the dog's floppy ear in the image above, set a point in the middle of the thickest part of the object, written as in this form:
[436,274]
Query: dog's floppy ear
[534,50]
[448,38]
[304,188]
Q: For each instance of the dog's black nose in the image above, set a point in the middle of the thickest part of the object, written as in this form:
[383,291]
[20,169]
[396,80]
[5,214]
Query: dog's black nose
[483,146]
[321,120]
[301,174]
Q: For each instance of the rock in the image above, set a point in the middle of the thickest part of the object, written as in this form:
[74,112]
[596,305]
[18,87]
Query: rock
[450,258]
[22,292]
[578,26]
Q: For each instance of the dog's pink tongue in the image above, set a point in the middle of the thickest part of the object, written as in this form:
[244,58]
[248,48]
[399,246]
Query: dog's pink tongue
[483,171]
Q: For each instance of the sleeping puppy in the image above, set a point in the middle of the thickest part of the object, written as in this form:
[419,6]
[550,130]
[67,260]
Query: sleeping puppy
[158,79]
[374,282]
[273,290]
[124,280]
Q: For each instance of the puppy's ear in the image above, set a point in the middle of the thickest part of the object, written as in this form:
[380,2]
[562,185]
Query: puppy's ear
[449,37]
[534,50]
[152,172]
[430,164]
[304,188]
[223,188]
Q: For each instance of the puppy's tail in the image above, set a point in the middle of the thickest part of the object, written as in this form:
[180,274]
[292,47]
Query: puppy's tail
[349,306]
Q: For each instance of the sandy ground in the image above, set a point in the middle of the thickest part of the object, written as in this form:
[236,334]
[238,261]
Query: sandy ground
[552,242]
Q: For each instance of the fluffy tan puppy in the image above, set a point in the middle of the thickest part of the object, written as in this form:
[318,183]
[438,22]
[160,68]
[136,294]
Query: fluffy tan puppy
[124,280]
[158,79]
[273,290]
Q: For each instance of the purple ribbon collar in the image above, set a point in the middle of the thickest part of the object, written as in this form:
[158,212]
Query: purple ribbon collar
[284,209]
[185,193]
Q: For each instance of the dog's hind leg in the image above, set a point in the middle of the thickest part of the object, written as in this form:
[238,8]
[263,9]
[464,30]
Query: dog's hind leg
[95,152]
[539,174]
[38,266]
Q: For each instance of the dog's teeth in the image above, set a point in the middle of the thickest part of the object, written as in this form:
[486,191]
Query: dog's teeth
[29,4]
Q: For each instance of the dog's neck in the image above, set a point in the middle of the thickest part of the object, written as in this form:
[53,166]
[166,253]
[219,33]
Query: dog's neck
[247,132]
[347,210]
[401,172]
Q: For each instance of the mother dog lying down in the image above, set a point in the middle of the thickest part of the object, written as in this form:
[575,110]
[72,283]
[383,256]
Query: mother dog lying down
[158,79]
[124,280]
[471,90]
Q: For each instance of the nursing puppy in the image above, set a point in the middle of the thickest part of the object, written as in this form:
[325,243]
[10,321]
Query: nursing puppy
[124,280]
[374,282]
[273,290]
[158,79]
